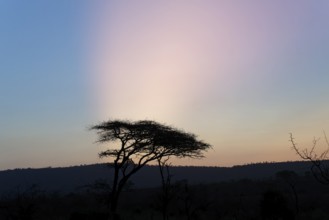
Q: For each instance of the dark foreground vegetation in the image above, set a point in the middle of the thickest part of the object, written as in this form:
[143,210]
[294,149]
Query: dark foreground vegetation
[287,195]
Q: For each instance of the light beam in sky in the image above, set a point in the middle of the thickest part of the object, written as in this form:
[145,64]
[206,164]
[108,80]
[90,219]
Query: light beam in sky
[216,68]
[157,60]
[240,74]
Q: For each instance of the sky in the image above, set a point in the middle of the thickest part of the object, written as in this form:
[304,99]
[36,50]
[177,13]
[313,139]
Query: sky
[241,75]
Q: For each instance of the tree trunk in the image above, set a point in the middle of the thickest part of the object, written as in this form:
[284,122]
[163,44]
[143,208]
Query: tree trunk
[114,196]
[166,187]
[296,199]
[114,215]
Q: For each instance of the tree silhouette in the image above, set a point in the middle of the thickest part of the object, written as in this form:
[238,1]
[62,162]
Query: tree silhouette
[290,177]
[22,203]
[139,143]
[319,168]
[274,206]
[167,194]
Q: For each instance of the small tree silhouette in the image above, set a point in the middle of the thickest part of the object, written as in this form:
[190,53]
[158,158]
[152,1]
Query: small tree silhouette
[274,206]
[290,177]
[22,203]
[319,168]
[140,143]
[167,194]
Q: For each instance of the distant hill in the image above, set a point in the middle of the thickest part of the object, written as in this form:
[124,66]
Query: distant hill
[69,179]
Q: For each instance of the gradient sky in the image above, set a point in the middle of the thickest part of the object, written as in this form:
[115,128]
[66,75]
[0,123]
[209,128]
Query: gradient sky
[240,74]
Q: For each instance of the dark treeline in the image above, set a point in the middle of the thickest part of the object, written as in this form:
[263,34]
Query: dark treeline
[285,194]
[68,179]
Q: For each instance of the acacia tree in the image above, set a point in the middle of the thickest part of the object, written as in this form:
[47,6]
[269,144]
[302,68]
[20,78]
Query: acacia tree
[136,144]
[319,168]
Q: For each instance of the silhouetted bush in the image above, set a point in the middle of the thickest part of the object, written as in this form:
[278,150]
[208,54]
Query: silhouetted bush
[89,216]
[274,206]
[20,204]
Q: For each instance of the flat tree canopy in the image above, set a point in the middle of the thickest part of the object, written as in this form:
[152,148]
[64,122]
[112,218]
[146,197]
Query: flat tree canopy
[137,143]
[145,141]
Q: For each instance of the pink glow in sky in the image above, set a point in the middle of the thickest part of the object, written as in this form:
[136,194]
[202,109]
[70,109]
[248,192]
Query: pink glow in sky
[221,69]
[240,74]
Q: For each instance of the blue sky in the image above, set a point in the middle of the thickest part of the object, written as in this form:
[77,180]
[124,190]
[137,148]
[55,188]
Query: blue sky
[44,88]
[241,75]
